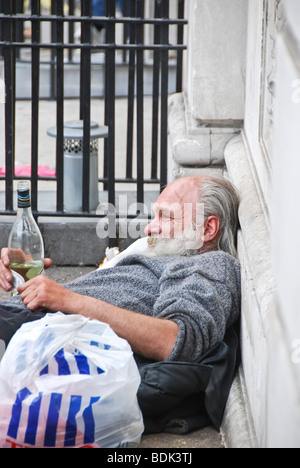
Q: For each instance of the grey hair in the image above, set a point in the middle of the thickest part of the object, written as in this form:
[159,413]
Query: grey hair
[220,199]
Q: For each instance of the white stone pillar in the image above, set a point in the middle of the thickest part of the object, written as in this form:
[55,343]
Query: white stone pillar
[215,84]
[211,109]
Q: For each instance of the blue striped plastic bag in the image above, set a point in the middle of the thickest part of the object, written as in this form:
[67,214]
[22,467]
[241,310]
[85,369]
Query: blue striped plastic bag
[69,382]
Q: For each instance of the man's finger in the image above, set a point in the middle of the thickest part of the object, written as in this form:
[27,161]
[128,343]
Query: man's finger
[5,257]
[47,263]
[28,297]
[26,288]
[28,285]
[34,306]
[5,274]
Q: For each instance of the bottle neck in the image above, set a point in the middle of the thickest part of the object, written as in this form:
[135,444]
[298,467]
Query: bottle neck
[24,200]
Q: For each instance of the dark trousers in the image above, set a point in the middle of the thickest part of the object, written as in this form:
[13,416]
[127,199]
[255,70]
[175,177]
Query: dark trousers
[12,319]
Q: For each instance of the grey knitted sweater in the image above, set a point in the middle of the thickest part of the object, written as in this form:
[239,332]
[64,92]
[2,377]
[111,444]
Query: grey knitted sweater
[200,293]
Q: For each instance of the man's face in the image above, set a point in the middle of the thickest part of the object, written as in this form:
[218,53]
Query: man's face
[176,214]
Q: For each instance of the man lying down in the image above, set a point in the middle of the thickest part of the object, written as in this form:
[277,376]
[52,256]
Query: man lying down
[173,302]
[176,304]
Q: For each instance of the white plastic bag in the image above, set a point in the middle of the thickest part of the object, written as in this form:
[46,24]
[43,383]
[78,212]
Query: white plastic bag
[67,381]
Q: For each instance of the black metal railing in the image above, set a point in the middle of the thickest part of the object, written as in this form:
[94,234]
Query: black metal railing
[62,20]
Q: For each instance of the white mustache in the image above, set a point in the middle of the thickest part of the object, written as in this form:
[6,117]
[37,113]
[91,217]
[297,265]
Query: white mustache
[188,244]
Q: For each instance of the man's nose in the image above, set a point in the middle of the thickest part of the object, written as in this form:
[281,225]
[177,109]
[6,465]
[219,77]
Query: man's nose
[153,228]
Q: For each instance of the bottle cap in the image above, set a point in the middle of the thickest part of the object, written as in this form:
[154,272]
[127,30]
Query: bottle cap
[24,194]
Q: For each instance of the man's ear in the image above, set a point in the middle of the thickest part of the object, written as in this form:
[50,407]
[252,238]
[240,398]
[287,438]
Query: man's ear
[211,229]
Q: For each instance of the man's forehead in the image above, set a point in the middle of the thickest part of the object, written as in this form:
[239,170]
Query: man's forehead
[180,191]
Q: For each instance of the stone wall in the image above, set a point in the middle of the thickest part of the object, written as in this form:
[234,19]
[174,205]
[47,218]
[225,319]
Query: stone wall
[243,75]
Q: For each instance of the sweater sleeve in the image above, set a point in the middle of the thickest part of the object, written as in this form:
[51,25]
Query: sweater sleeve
[203,297]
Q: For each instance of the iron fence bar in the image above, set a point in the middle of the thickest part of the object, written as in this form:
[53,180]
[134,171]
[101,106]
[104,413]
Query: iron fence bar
[137,47]
[60,110]
[18,27]
[9,76]
[131,89]
[110,94]
[71,28]
[164,97]
[126,30]
[53,51]
[180,40]
[156,87]
[84,35]
[1,26]
[35,85]
[101,179]
[95,19]
[85,104]
[140,103]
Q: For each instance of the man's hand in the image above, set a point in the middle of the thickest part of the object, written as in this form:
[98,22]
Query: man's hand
[6,277]
[41,293]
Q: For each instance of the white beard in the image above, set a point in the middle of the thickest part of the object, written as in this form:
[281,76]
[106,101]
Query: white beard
[188,244]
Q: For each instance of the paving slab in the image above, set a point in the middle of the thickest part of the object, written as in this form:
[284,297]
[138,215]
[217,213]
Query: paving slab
[204,438]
